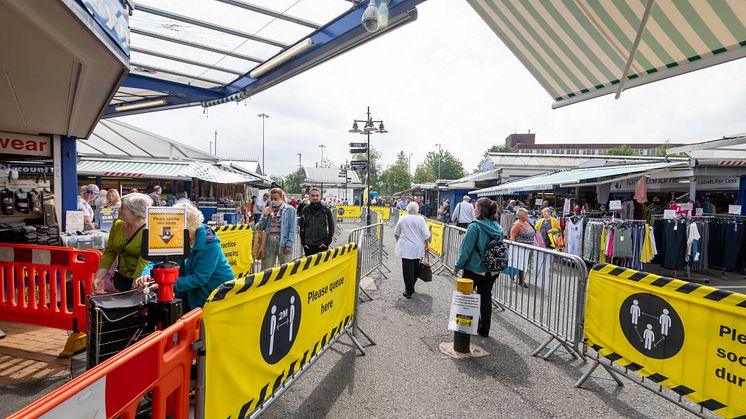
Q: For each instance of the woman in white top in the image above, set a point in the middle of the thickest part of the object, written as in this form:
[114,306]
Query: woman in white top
[412,238]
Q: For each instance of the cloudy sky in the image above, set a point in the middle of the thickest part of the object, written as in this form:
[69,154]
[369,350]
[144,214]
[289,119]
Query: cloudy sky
[448,79]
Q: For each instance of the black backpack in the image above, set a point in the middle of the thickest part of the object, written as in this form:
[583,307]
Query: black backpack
[495,258]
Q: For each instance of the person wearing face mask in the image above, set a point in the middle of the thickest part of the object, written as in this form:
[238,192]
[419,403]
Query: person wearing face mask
[316,225]
[279,221]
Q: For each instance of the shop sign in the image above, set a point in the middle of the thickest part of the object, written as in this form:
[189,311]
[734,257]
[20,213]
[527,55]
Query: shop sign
[33,169]
[710,183]
[112,17]
[26,145]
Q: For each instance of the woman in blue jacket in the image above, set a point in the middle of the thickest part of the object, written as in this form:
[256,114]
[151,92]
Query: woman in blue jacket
[206,267]
[478,236]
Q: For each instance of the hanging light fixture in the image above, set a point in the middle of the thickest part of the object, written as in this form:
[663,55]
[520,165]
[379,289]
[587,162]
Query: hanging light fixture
[381,128]
[355,129]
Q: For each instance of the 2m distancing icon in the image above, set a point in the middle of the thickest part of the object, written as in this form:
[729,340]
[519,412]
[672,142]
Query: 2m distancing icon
[651,325]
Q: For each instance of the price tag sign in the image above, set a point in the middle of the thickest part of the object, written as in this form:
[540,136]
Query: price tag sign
[107,219]
[166,227]
[539,202]
[74,221]
[734,209]
[615,205]
[699,211]
[669,214]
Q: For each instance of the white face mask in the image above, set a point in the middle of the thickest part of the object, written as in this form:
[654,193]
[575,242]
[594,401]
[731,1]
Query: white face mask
[275,204]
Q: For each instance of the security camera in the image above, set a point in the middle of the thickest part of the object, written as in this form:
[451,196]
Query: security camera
[370,17]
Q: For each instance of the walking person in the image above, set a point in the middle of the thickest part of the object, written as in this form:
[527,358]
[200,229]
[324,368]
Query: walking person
[521,232]
[478,236]
[412,237]
[156,196]
[446,213]
[259,207]
[463,214]
[279,221]
[316,225]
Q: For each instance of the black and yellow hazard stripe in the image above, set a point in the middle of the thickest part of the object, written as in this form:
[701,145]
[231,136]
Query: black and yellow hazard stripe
[235,227]
[677,285]
[260,279]
[295,366]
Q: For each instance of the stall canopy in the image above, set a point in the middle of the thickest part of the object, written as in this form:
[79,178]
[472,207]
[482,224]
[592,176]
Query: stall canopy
[188,53]
[579,50]
[206,171]
[575,177]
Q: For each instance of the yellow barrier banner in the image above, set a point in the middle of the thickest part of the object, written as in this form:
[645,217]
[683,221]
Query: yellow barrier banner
[236,242]
[263,328]
[384,212]
[688,337]
[348,211]
[436,241]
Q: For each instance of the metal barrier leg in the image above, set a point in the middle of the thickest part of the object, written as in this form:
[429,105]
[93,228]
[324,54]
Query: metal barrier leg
[372,342]
[544,345]
[592,367]
[366,294]
[356,343]
[557,346]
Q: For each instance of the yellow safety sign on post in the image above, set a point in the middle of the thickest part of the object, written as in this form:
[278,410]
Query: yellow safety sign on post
[236,242]
[436,240]
[348,211]
[262,329]
[166,231]
[685,336]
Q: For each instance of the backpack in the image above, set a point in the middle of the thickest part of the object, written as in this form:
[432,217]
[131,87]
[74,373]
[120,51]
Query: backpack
[495,258]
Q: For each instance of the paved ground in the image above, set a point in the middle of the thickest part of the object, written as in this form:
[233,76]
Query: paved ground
[406,375]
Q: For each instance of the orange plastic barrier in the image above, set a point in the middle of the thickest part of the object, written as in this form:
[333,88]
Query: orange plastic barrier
[158,365]
[46,285]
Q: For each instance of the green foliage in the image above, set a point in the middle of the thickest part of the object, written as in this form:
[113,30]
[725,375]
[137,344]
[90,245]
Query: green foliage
[661,151]
[397,177]
[622,150]
[442,162]
[289,183]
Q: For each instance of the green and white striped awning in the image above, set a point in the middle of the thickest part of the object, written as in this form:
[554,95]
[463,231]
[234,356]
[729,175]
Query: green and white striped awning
[581,49]
[167,170]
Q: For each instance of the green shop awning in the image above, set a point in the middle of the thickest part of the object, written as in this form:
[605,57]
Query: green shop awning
[166,170]
[572,177]
[579,50]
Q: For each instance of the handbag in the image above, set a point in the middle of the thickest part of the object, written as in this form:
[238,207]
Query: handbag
[260,242]
[424,272]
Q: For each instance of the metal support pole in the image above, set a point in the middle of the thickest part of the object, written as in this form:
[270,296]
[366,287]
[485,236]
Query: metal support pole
[462,341]
[370,122]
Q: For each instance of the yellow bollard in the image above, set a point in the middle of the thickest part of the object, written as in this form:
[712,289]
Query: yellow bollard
[462,341]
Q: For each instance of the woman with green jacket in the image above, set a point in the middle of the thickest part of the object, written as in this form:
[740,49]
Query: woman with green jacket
[478,236]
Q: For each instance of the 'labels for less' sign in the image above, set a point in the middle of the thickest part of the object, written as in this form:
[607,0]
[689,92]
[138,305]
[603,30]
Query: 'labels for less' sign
[27,145]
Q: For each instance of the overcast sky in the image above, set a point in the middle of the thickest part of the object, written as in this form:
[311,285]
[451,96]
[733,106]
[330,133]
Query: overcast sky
[447,78]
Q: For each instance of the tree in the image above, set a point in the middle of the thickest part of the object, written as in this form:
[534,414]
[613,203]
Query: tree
[397,177]
[292,181]
[494,149]
[443,163]
[375,169]
[278,180]
[622,150]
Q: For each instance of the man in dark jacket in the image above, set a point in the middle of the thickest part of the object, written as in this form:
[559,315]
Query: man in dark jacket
[316,225]
[156,196]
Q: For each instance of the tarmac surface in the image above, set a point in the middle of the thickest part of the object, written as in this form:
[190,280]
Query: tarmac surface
[405,374]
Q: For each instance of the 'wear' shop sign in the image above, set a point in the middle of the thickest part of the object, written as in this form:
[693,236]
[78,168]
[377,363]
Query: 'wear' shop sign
[27,145]
[710,183]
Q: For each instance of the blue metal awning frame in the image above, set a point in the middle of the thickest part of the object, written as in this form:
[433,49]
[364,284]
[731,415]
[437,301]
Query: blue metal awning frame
[336,37]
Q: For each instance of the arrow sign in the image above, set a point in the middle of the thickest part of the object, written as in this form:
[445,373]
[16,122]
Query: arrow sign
[359,145]
[358,150]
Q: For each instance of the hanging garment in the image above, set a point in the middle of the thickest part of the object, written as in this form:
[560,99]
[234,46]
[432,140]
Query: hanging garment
[648,241]
[641,190]
[623,243]
[592,241]
[675,245]
[22,201]
[602,193]
[8,204]
[692,243]
[574,236]
[732,244]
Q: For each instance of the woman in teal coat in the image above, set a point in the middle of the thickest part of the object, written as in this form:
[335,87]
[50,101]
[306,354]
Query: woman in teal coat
[206,267]
[478,236]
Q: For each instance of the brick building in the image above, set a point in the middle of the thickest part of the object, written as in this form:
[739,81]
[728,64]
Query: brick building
[526,143]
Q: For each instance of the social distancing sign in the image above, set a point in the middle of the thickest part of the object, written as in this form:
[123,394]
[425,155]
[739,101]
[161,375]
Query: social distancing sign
[384,212]
[348,211]
[436,240]
[262,329]
[685,336]
[236,242]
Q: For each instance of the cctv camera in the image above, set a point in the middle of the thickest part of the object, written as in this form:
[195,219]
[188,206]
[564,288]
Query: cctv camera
[370,17]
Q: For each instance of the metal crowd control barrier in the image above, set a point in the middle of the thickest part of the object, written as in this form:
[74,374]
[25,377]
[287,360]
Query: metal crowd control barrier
[553,297]
[370,250]
[46,286]
[394,217]
[157,367]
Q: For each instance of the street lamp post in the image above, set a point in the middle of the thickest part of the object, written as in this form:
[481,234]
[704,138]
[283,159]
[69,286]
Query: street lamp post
[368,129]
[263,116]
[322,147]
[437,186]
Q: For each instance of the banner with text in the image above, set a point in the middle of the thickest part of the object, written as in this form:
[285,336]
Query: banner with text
[436,241]
[262,329]
[688,337]
[384,212]
[236,242]
[348,211]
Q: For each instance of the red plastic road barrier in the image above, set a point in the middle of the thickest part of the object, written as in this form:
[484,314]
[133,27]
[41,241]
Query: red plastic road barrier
[46,285]
[160,365]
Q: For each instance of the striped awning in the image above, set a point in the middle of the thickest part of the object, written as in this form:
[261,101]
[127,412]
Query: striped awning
[166,170]
[581,49]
